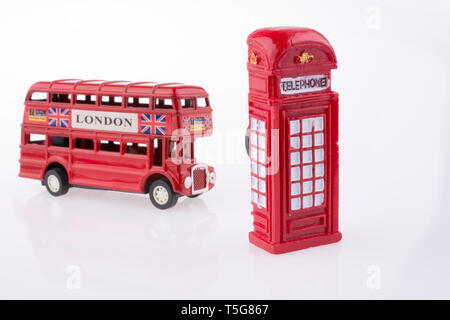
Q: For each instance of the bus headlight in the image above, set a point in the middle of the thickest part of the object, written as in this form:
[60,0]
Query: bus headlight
[212,177]
[188,182]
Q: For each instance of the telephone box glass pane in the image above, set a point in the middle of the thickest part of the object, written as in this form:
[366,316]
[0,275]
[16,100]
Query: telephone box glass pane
[295,173]
[295,142]
[262,171]
[318,139]
[295,203]
[307,187]
[307,141]
[307,201]
[318,199]
[319,185]
[295,189]
[295,127]
[295,158]
[307,156]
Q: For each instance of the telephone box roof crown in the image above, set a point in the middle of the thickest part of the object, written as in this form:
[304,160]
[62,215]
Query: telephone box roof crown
[273,43]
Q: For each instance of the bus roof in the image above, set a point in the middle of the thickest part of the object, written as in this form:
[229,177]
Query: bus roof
[165,90]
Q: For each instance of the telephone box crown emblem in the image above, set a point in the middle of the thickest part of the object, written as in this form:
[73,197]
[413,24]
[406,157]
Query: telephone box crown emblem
[305,57]
[253,58]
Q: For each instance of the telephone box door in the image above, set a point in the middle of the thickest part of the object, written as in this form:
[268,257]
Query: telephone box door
[306,175]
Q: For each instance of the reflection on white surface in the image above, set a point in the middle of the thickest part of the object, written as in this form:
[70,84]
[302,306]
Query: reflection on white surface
[122,240]
[92,244]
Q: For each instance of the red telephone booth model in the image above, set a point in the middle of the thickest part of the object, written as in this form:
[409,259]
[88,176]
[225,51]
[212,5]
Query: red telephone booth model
[293,129]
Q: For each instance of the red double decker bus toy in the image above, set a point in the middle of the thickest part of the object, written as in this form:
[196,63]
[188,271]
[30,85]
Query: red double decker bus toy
[293,133]
[117,135]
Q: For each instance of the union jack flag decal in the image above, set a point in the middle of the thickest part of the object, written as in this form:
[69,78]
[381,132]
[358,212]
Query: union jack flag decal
[146,123]
[187,124]
[208,123]
[197,124]
[156,121]
[160,124]
[59,117]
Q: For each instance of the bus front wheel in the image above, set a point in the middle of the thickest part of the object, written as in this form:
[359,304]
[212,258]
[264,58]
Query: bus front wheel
[162,195]
[56,182]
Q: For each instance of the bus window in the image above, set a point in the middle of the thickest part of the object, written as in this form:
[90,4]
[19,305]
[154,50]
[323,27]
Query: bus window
[138,102]
[173,152]
[59,141]
[85,99]
[115,101]
[157,152]
[87,144]
[38,96]
[108,145]
[61,97]
[35,138]
[163,103]
[187,151]
[202,102]
[187,103]
[136,148]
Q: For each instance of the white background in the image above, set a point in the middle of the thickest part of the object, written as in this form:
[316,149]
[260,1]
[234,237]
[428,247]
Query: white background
[393,81]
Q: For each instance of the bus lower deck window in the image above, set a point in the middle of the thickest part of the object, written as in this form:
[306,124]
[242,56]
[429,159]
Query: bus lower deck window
[187,151]
[136,148]
[59,141]
[157,152]
[35,138]
[82,143]
[172,151]
[108,145]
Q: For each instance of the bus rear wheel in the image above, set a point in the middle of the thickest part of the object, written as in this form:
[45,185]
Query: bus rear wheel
[162,195]
[56,182]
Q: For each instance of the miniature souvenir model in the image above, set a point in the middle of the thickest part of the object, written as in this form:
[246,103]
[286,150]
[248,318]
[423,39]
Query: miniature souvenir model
[117,135]
[293,139]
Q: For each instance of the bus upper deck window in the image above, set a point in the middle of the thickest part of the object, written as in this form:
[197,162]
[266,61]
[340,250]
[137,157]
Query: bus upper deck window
[202,102]
[187,103]
[138,102]
[85,99]
[61,97]
[38,96]
[163,103]
[115,101]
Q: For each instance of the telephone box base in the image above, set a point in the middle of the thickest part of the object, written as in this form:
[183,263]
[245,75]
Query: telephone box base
[294,245]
